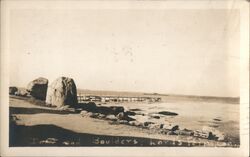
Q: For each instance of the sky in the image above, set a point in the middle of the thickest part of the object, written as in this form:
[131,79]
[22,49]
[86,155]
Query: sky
[191,52]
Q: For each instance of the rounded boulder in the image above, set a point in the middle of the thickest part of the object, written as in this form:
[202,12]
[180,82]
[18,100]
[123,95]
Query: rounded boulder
[38,88]
[62,92]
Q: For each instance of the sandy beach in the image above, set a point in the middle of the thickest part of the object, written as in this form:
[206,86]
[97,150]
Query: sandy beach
[45,126]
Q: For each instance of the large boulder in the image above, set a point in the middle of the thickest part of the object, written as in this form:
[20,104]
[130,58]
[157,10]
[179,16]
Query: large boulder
[62,92]
[38,88]
[12,90]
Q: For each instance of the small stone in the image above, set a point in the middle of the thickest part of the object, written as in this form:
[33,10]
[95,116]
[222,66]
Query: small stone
[94,115]
[156,117]
[135,123]
[145,124]
[171,133]
[21,92]
[169,127]
[153,126]
[101,116]
[214,133]
[176,127]
[84,113]
[120,115]
[202,134]
[12,90]
[111,117]
[123,122]
[184,132]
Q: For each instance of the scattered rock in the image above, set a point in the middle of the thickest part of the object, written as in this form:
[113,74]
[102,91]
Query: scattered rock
[161,126]
[84,113]
[145,124]
[135,123]
[169,127]
[214,133]
[153,126]
[78,109]
[156,117]
[101,116]
[66,143]
[128,118]
[62,92]
[38,88]
[71,109]
[176,127]
[164,131]
[67,108]
[108,110]
[103,109]
[123,122]
[21,92]
[220,137]
[140,113]
[63,107]
[135,109]
[12,90]
[171,133]
[124,116]
[120,116]
[202,134]
[89,114]
[214,125]
[184,132]
[94,115]
[117,109]
[217,119]
[90,107]
[111,117]
[130,113]
[167,113]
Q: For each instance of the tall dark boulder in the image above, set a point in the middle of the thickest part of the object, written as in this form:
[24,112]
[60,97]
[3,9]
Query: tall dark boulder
[38,88]
[62,92]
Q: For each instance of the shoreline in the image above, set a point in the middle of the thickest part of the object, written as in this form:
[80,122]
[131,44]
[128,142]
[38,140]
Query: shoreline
[30,115]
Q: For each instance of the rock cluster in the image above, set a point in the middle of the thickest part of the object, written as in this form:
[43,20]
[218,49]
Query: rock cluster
[61,92]
[21,92]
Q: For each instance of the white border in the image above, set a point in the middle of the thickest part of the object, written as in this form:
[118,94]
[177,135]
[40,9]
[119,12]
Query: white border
[6,6]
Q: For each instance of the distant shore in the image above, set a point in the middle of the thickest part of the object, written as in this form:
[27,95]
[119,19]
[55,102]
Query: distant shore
[165,97]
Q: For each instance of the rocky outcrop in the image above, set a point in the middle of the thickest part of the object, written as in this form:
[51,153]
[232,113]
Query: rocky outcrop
[62,92]
[116,109]
[38,88]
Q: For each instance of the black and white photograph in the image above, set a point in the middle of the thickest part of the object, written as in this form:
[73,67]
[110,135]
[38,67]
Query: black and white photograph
[124,76]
